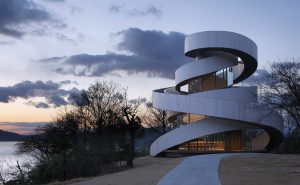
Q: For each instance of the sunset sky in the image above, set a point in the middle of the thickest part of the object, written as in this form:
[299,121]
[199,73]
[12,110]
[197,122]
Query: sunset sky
[51,49]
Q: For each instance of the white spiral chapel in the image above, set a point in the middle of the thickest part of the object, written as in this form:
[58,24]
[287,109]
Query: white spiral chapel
[215,115]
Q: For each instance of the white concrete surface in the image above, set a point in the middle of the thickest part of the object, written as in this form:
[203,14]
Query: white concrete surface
[219,39]
[207,65]
[196,170]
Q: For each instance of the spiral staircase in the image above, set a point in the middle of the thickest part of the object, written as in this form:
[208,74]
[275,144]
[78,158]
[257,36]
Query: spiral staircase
[215,115]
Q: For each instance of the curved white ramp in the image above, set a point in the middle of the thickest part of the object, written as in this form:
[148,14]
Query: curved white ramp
[222,60]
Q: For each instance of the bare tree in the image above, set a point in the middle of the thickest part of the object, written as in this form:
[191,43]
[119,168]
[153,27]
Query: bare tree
[102,98]
[2,175]
[130,112]
[86,139]
[157,119]
[281,91]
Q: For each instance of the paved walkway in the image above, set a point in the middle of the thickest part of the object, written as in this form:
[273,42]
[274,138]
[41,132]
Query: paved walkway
[196,170]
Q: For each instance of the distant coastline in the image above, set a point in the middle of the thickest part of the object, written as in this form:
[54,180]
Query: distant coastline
[10,136]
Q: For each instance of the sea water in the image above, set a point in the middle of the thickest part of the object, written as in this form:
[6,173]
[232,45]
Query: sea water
[7,151]
[8,158]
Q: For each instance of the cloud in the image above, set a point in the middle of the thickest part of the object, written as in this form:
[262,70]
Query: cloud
[260,75]
[116,8]
[39,104]
[18,17]
[154,53]
[53,93]
[51,60]
[139,100]
[57,100]
[150,10]
[6,42]
[135,12]
[26,89]
[75,9]
[56,1]
[66,82]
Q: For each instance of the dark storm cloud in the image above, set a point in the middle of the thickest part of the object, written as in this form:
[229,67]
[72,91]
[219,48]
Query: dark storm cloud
[16,12]
[25,89]
[155,53]
[51,91]
[17,17]
[260,75]
[57,100]
[135,12]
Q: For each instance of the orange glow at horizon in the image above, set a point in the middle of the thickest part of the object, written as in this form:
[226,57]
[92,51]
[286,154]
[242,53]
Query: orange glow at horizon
[16,129]
[18,111]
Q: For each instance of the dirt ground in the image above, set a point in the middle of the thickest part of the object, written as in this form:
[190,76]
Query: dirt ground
[260,169]
[147,171]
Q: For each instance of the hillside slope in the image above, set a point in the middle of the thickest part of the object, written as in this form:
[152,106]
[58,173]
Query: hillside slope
[9,136]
